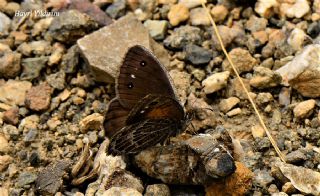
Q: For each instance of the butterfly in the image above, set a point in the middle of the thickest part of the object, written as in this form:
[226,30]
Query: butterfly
[146,110]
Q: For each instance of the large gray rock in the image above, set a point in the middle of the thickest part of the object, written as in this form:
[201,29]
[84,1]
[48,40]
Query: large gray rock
[105,49]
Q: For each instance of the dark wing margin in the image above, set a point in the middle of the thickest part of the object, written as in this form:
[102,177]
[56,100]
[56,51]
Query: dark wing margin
[142,74]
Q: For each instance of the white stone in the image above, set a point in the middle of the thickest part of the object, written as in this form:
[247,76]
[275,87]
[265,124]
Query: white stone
[296,38]
[265,7]
[215,82]
[296,10]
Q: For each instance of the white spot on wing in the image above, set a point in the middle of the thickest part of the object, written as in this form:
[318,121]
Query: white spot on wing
[133,76]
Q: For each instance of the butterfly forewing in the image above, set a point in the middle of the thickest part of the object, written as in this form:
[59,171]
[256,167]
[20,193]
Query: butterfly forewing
[142,74]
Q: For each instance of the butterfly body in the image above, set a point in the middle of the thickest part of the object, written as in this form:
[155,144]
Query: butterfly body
[146,110]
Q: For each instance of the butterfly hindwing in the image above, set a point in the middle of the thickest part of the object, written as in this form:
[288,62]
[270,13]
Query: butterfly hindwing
[156,107]
[139,136]
[115,118]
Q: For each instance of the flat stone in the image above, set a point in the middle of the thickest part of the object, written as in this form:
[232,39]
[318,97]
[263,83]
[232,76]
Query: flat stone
[105,59]
[14,92]
[38,98]
[304,109]
[215,82]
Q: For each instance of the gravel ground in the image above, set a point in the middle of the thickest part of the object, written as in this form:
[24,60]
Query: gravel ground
[58,62]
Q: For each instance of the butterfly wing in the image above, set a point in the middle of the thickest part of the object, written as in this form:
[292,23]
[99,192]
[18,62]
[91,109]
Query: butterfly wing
[142,74]
[156,107]
[138,136]
[115,117]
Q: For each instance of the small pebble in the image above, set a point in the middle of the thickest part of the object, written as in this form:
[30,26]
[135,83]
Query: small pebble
[11,116]
[157,189]
[64,95]
[264,98]
[227,104]
[242,60]
[198,16]
[183,36]
[38,97]
[257,131]
[10,64]
[191,3]
[4,144]
[219,13]
[178,13]
[304,109]
[26,178]
[215,82]
[265,8]
[289,188]
[91,122]
[234,112]
[157,28]
[5,23]
[197,55]
[5,161]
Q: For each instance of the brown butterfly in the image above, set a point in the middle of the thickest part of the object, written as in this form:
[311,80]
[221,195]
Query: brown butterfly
[146,110]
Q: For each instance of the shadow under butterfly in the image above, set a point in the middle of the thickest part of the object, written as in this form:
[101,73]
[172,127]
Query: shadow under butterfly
[146,110]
